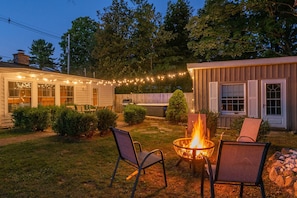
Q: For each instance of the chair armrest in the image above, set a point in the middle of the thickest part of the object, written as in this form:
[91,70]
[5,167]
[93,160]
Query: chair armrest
[247,137]
[152,152]
[136,143]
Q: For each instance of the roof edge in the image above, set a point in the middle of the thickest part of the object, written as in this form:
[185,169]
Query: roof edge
[244,62]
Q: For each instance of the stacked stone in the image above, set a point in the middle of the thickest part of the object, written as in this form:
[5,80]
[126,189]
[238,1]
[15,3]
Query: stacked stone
[283,169]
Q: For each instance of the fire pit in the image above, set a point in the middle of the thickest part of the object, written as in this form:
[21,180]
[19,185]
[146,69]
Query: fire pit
[183,149]
[192,149]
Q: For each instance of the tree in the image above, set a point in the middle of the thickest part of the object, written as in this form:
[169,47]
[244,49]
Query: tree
[276,24]
[113,41]
[176,18]
[129,40]
[177,110]
[82,43]
[41,52]
[243,29]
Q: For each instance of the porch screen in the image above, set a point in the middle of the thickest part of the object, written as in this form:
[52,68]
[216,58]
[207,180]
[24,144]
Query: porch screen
[46,94]
[66,95]
[19,95]
[233,98]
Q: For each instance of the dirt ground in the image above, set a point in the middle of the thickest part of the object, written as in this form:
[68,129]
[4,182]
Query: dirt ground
[22,138]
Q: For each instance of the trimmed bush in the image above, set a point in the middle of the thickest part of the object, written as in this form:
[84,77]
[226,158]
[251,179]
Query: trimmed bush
[134,114]
[72,123]
[54,112]
[39,119]
[33,119]
[88,124]
[106,118]
[177,110]
[21,117]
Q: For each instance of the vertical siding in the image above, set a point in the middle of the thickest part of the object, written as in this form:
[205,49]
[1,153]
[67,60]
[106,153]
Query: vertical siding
[202,77]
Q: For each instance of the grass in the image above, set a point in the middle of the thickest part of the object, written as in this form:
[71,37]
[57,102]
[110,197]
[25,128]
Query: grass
[62,167]
[6,133]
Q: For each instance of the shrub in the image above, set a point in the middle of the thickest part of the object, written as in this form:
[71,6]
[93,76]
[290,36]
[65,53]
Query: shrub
[39,119]
[72,123]
[54,112]
[211,121]
[21,117]
[33,119]
[177,110]
[88,124]
[134,114]
[264,127]
[106,118]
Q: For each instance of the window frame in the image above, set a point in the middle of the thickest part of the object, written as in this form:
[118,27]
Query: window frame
[18,96]
[244,99]
[46,94]
[67,99]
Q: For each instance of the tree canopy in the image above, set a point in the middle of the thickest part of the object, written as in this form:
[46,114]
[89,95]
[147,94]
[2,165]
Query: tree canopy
[82,43]
[177,17]
[41,52]
[132,40]
[226,29]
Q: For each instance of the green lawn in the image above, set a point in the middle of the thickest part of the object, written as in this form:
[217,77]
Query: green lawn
[63,167]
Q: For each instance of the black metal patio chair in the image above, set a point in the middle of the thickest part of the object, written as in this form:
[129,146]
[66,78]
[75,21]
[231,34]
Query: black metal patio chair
[239,163]
[136,157]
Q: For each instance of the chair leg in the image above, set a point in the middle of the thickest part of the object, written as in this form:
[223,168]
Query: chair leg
[164,173]
[115,170]
[202,182]
[262,189]
[241,190]
[136,182]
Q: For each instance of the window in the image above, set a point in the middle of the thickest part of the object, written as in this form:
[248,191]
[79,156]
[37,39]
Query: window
[19,94]
[46,94]
[66,95]
[233,98]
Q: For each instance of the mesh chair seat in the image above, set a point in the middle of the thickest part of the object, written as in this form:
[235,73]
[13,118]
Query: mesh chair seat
[249,130]
[239,163]
[136,157]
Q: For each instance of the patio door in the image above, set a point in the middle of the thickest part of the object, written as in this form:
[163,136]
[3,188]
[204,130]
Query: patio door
[274,102]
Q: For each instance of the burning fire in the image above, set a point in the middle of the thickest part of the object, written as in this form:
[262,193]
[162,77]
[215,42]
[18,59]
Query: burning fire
[197,145]
[198,134]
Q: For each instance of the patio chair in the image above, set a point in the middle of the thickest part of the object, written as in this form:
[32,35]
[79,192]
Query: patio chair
[239,163]
[136,157]
[249,130]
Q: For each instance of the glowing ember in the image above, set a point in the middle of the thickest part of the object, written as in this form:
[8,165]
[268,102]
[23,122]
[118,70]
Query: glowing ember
[197,145]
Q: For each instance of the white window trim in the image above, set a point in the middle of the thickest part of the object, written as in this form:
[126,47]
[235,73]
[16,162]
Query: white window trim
[223,112]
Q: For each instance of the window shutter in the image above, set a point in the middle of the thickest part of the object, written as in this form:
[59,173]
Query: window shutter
[253,99]
[213,97]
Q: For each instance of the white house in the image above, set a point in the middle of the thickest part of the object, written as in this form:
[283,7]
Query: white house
[21,85]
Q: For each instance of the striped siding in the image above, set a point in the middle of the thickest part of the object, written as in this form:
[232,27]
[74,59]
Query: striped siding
[239,74]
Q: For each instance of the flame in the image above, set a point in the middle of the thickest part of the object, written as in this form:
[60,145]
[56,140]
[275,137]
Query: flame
[198,134]
[199,144]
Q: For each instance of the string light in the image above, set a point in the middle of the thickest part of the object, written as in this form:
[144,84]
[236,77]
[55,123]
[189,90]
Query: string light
[118,83]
